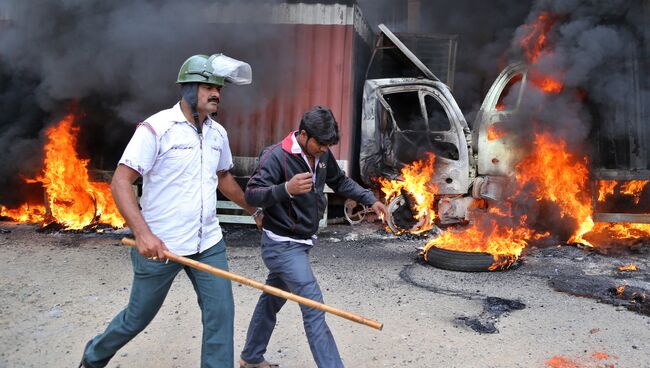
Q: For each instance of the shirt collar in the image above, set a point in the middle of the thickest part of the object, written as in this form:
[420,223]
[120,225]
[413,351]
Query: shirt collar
[177,116]
[295,147]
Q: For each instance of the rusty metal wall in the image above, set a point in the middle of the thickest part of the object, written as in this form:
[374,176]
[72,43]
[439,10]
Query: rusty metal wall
[322,75]
[321,53]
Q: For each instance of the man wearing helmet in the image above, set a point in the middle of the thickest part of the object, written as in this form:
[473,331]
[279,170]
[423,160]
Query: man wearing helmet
[183,156]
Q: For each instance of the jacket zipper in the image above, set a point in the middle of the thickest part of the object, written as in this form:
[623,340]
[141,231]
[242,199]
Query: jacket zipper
[313,185]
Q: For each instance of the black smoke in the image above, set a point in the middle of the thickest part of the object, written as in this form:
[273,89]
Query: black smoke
[117,61]
[598,51]
[484,29]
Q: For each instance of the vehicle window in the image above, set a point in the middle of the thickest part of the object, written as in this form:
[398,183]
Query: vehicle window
[407,110]
[436,115]
[508,97]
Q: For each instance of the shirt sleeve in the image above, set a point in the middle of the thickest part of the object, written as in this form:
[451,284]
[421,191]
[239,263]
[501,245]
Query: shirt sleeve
[140,153]
[225,160]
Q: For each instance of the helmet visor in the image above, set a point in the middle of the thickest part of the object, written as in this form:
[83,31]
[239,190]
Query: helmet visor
[233,70]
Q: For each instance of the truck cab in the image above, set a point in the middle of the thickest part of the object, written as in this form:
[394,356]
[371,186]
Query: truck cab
[406,118]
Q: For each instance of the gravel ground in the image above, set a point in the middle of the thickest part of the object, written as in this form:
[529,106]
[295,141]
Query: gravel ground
[58,290]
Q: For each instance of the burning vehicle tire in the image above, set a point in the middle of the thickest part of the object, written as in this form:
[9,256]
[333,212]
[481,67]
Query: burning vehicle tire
[400,215]
[454,260]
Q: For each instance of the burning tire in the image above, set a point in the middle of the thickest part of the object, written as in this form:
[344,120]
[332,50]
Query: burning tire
[460,261]
[400,215]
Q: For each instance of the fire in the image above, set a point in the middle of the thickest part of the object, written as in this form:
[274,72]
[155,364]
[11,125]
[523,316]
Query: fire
[25,213]
[548,84]
[630,267]
[504,243]
[563,178]
[535,41]
[619,230]
[559,177]
[496,131]
[605,188]
[72,199]
[550,171]
[634,188]
[417,183]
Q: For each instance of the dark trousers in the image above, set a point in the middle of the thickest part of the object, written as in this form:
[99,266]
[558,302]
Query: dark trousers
[151,282]
[289,269]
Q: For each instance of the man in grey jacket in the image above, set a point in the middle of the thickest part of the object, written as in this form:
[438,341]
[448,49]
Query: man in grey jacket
[288,184]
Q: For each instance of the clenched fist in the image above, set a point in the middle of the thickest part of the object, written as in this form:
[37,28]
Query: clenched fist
[300,184]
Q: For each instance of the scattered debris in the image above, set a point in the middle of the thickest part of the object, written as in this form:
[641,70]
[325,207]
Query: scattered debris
[493,308]
[605,290]
[4,231]
[95,228]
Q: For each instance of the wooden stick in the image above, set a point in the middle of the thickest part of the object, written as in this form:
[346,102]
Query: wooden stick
[265,288]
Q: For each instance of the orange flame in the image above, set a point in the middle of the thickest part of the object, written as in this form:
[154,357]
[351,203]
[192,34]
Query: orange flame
[417,182]
[505,243]
[620,231]
[548,84]
[25,213]
[535,41]
[72,200]
[557,176]
[605,188]
[561,178]
[496,131]
[630,267]
[634,188]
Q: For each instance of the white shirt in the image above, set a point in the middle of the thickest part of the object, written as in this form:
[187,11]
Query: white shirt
[295,148]
[179,172]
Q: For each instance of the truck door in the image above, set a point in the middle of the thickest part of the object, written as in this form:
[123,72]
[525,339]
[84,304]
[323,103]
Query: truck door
[496,148]
[419,119]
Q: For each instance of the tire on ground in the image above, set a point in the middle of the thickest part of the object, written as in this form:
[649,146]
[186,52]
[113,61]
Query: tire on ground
[459,261]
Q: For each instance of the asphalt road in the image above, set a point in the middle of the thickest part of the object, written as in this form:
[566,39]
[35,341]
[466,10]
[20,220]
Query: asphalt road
[58,290]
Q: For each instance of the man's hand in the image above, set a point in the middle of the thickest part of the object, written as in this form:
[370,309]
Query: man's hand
[300,184]
[381,211]
[258,221]
[150,246]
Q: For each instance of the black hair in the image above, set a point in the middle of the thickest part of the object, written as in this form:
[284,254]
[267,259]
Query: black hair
[320,124]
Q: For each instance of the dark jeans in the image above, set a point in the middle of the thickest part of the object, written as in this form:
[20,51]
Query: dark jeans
[151,282]
[289,269]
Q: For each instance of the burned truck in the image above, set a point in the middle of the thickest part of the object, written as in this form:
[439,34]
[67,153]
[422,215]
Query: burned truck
[403,120]
[392,107]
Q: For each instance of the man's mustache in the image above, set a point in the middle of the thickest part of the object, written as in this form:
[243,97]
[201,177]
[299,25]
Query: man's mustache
[214,99]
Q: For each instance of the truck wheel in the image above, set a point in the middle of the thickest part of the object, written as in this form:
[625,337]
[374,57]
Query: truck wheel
[354,212]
